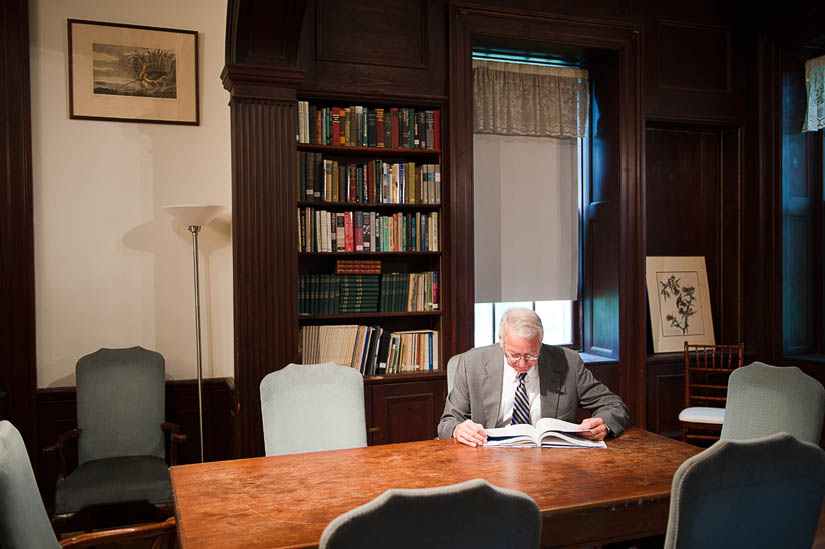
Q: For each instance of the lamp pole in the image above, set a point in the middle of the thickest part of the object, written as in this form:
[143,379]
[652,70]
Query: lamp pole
[195,229]
[195,216]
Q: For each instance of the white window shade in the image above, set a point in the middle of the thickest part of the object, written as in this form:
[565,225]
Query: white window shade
[526,218]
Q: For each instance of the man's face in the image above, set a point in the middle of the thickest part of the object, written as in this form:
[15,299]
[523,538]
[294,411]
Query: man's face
[522,354]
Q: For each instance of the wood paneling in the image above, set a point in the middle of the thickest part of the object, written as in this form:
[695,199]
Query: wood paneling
[57,413]
[693,209]
[696,58]
[18,371]
[393,48]
[263,33]
[695,69]
[398,27]
[407,411]
[665,394]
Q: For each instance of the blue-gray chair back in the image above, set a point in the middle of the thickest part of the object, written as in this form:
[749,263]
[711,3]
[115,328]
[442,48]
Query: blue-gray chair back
[23,519]
[472,515]
[121,403]
[764,492]
[764,399]
[313,407]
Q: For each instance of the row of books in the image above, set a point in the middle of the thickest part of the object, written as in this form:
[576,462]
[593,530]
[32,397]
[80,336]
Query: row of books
[373,182]
[359,126]
[388,293]
[371,349]
[358,231]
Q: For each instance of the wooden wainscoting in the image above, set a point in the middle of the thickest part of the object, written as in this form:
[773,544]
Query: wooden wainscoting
[57,412]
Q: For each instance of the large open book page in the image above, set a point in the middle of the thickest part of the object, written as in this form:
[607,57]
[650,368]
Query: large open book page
[548,432]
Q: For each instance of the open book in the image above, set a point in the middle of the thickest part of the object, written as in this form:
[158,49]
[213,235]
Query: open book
[546,433]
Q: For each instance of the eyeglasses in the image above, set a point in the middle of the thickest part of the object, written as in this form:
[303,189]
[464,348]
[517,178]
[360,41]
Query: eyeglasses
[517,358]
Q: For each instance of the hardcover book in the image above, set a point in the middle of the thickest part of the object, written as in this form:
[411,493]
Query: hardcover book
[548,432]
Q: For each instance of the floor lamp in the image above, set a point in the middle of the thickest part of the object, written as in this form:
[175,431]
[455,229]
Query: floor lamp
[196,216]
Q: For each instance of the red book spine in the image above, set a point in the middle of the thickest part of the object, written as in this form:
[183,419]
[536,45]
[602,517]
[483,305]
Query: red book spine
[352,170]
[349,237]
[336,126]
[379,127]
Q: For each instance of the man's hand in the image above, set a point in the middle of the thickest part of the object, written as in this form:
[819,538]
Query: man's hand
[597,429]
[470,433]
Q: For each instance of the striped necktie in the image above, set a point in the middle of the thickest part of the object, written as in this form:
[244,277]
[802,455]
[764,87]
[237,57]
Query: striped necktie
[521,404]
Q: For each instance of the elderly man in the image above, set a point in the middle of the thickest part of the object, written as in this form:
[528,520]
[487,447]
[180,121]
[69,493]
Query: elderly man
[522,380]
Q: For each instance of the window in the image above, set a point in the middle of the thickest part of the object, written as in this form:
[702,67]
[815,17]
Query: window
[528,196]
[556,317]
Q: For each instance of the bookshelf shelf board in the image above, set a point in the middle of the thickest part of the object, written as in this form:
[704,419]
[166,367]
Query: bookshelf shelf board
[366,206]
[369,151]
[406,376]
[305,317]
[370,254]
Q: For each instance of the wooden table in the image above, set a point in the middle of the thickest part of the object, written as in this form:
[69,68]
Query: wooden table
[586,496]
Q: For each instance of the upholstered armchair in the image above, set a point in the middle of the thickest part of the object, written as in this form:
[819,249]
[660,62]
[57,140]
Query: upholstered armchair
[120,436]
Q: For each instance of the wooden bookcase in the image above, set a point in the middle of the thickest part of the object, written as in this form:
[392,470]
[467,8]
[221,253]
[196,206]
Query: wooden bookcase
[400,406]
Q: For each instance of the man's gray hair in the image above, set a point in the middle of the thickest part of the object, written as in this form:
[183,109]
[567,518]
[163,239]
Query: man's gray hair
[522,323]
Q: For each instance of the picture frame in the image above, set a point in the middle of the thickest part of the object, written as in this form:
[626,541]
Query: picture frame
[679,299]
[132,73]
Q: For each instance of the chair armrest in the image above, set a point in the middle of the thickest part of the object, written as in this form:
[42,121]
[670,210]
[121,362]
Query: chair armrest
[176,438]
[57,447]
[164,532]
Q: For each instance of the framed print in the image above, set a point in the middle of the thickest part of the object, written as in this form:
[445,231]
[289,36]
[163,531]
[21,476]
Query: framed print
[132,74]
[677,291]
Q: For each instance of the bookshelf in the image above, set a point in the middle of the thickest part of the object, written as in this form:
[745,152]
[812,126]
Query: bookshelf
[370,193]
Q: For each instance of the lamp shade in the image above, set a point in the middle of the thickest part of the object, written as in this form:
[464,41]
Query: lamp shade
[194,214]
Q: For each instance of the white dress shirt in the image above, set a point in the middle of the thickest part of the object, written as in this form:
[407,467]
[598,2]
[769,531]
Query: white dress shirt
[508,394]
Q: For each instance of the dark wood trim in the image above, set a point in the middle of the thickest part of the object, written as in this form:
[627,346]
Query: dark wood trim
[265,264]
[18,374]
[632,292]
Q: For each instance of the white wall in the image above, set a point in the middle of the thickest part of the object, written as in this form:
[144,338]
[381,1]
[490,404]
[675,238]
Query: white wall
[111,268]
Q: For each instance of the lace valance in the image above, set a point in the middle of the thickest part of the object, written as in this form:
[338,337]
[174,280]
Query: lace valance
[530,100]
[815,86]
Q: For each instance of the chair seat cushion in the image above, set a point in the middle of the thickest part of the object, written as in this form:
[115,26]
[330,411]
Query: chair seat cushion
[702,414]
[114,480]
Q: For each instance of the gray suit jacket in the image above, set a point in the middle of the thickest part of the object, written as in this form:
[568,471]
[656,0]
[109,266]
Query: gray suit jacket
[565,384]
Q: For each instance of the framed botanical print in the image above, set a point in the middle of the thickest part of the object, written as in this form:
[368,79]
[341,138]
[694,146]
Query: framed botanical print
[677,291]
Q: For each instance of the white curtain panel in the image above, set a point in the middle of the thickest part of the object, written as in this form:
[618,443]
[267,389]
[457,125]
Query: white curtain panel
[815,86]
[526,218]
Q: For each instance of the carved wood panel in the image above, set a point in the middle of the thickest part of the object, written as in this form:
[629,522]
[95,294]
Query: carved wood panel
[405,412]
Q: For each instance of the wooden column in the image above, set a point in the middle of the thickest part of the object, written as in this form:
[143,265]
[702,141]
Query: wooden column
[18,366]
[264,226]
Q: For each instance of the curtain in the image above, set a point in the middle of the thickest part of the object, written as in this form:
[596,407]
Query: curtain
[815,86]
[525,180]
[529,100]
